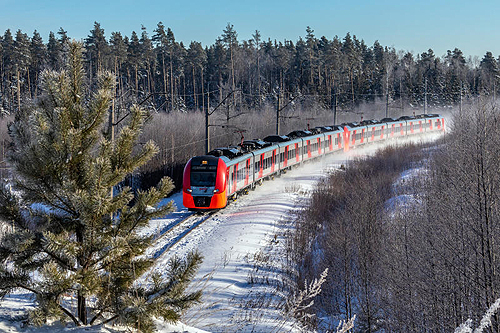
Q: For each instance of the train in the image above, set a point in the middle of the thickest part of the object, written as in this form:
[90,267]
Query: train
[212,180]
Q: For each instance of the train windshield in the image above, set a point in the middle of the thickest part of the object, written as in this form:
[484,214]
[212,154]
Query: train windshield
[203,178]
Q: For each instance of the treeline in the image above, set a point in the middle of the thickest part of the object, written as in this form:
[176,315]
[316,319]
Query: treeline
[418,254]
[339,73]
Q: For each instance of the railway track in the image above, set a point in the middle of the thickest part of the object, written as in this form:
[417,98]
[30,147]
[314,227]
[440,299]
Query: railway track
[175,232]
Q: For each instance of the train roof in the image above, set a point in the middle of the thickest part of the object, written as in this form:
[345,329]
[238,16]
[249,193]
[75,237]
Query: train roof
[323,129]
[299,134]
[249,145]
[388,120]
[204,160]
[276,138]
[353,124]
[336,127]
[369,122]
[406,118]
[229,152]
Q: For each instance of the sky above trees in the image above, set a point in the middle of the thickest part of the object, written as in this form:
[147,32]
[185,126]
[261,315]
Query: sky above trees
[405,25]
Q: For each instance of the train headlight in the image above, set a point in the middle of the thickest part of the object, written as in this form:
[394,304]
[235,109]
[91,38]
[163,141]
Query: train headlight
[189,190]
[216,191]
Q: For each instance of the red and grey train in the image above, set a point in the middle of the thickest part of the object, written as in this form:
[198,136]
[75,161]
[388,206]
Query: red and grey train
[210,180]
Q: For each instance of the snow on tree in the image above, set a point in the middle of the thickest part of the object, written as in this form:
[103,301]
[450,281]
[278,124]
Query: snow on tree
[73,238]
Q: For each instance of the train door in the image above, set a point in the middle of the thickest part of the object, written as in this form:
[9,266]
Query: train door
[235,178]
[346,139]
[285,162]
[261,171]
[247,172]
[273,160]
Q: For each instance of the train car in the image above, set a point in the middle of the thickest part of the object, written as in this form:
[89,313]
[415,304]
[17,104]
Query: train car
[394,128]
[290,153]
[354,135]
[412,126]
[240,173]
[266,162]
[376,132]
[333,139]
[422,123]
[205,182]
[312,146]
[435,122]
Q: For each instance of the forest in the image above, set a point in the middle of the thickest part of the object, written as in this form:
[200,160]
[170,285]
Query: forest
[152,67]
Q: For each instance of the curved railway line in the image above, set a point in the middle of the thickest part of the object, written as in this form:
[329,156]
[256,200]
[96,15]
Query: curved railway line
[177,231]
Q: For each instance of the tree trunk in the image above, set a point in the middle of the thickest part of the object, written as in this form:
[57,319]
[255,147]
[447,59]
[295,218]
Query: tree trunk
[82,309]
[202,91]
[136,79]
[171,85]
[164,77]
[194,92]
[18,89]
[81,301]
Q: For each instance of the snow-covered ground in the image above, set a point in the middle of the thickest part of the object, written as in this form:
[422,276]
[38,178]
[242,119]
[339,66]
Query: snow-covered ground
[241,246]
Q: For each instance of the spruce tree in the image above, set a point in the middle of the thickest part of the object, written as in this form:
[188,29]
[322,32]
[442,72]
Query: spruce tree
[76,245]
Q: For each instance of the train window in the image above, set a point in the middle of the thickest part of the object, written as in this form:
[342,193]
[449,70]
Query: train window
[203,178]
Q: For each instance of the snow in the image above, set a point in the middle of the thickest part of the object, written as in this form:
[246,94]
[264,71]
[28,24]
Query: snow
[242,245]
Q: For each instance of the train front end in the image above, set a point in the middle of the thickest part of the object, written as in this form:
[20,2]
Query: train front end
[204,183]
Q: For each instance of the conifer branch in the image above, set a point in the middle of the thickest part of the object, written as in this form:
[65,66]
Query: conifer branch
[70,315]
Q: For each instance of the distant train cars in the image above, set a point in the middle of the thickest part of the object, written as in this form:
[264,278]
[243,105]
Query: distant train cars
[212,179]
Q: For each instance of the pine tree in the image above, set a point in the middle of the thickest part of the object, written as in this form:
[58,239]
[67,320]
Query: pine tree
[134,58]
[311,42]
[230,38]
[38,59]
[8,68]
[97,50]
[161,42]
[171,50]
[489,72]
[72,237]
[55,52]
[196,59]
[118,48]
[148,56]
[21,60]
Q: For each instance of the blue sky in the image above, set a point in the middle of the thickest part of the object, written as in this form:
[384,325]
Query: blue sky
[472,26]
